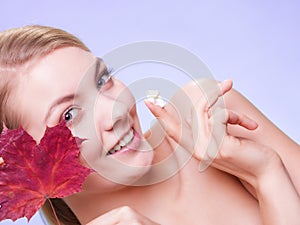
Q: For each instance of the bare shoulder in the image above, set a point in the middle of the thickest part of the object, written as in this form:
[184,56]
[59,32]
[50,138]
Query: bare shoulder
[267,132]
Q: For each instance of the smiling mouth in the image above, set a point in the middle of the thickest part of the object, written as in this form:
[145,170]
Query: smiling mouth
[127,139]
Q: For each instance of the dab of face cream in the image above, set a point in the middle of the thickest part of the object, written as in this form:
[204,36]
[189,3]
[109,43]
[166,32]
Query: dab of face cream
[154,97]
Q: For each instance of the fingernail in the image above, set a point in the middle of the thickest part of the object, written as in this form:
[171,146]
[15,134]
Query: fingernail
[149,104]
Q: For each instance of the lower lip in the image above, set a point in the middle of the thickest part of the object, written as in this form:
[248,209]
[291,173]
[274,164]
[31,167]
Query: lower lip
[132,146]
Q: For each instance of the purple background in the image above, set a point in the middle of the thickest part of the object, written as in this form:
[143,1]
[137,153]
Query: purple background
[256,43]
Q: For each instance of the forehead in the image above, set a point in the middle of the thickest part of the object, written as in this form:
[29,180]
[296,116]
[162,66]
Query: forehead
[61,64]
[59,72]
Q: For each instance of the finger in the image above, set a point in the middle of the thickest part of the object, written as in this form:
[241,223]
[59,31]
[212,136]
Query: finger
[218,125]
[216,97]
[222,115]
[217,133]
[212,91]
[170,125]
[242,120]
[200,129]
[225,86]
[219,121]
[111,217]
[174,126]
[202,136]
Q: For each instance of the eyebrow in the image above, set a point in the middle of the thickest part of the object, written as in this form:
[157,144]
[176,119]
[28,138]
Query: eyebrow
[98,63]
[71,97]
[58,102]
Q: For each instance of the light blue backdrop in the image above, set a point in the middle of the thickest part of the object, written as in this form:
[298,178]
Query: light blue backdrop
[256,43]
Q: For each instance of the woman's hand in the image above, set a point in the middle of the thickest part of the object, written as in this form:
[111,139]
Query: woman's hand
[122,216]
[258,165]
[204,134]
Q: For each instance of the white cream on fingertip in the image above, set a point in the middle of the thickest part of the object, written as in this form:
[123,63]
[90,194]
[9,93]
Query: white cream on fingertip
[154,97]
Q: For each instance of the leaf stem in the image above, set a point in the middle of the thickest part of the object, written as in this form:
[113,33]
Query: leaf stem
[53,210]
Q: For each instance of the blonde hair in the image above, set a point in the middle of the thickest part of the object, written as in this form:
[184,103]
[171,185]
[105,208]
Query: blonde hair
[18,46]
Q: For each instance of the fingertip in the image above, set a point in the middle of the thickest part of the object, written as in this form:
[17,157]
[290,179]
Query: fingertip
[253,125]
[226,85]
[229,80]
[249,123]
[155,110]
[148,103]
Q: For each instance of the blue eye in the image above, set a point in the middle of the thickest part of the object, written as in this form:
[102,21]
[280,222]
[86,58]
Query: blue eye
[104,78]
[70,115]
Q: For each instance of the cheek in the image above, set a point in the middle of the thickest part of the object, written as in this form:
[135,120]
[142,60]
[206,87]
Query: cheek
[122,93]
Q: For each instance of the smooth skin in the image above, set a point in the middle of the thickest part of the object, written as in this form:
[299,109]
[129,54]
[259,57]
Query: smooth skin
[258,165]
[210,197]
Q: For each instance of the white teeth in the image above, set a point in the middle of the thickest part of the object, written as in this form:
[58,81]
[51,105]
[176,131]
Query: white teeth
[112,152]
[122,142]
[126,140]
[128,137]
[117,147]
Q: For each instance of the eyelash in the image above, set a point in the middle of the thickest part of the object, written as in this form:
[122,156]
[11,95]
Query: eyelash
[75,111]
[100,81]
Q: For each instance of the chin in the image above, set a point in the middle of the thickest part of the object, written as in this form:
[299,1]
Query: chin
[124,167]
[104,180]
[128,171]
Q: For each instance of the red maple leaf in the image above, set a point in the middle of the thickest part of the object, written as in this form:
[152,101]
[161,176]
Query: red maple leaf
[31,173]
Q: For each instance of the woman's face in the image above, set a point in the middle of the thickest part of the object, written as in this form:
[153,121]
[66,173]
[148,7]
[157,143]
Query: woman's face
[71,84]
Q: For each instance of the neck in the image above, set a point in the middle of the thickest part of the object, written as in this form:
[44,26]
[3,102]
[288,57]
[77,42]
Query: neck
[144,195]
[145,199]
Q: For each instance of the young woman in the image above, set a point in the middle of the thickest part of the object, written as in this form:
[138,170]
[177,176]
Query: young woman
[48,75]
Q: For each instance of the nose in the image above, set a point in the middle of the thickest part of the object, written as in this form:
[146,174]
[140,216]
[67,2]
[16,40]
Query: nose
[111,113]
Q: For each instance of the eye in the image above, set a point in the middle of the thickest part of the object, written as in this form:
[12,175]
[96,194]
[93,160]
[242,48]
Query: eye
[70,115]
[104,78]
